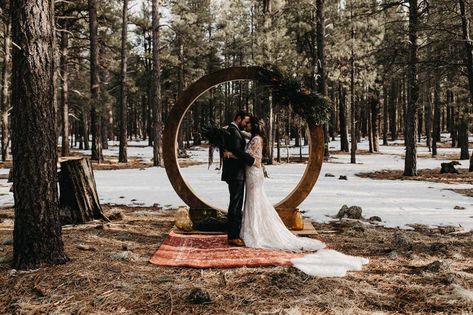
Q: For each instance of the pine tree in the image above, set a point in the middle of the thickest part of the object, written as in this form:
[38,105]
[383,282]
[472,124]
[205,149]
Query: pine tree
[37,230]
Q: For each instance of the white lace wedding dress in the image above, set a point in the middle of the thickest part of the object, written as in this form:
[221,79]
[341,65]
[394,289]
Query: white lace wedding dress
[263,228]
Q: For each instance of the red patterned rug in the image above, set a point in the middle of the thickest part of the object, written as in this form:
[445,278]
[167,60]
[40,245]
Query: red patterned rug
[212,251]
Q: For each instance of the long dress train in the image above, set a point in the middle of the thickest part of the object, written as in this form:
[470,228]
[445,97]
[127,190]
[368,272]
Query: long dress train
[263,228]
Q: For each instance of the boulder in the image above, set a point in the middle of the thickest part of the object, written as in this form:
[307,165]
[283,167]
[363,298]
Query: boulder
[353,212]
[116,215]
[183,221]
[375,218]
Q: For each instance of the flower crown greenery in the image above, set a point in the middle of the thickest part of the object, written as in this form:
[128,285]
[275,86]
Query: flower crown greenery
[289,92]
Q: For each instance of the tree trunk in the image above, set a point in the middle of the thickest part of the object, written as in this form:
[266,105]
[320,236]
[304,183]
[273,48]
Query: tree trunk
[95,118]
[463,138]
[420,118]
[385,115]
[122,152]
[436,130]
[469,66]
[278,139]
[369,125]
[65,92]
[79,201]
[321,76]
[374,123]
[410,166]
[452,120]
[342,114]
[353,139]
[85,129]
[393,97]
[4,97]
[428,117]
[37,229]
[156,90]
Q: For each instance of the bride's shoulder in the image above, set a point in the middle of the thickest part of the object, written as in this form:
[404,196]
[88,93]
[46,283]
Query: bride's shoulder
[257,139]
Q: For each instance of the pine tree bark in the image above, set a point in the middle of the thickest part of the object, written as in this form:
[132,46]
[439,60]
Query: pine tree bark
[437,109]
[95,118]
[410,166]
[452,120]
[353,139]
[353,129]
[342,114]
[428,117]
[385,115]
[122,152]
[374,123]
[322,80]
[469,66]
[4,105]
[369,125]
[37,229]
[156,90]
[393,97]
[65,151]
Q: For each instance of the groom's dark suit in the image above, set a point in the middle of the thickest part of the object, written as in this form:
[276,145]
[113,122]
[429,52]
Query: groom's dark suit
[234,174]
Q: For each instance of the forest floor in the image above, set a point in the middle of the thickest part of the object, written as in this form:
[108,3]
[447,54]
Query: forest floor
[426,174]
[422,270]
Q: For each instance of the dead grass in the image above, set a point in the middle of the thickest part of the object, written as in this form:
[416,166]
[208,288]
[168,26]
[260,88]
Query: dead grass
[431,175]
[395,281]
[111,162]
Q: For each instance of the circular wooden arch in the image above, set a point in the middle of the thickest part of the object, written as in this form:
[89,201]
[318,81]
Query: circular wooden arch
[185,101]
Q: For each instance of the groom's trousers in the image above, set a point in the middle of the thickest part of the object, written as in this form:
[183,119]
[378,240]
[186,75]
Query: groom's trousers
[237,190]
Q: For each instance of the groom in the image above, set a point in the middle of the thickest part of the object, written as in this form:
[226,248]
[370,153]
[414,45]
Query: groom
[234,174]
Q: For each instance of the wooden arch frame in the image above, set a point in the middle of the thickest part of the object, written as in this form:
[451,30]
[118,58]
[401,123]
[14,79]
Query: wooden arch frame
[185,101]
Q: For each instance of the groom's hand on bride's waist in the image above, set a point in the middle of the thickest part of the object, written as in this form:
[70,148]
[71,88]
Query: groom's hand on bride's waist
[229,155]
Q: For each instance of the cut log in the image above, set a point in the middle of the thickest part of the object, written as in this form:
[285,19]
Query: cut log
[78,201]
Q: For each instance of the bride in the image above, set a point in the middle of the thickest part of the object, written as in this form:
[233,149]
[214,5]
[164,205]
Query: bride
[263,228]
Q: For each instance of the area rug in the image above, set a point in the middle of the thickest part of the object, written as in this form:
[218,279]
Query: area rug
[212,251]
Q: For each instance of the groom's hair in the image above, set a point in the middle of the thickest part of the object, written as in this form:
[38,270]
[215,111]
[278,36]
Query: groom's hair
[242,114]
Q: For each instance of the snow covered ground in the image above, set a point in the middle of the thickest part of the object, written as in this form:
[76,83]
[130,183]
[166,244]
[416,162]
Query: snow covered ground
[398,203]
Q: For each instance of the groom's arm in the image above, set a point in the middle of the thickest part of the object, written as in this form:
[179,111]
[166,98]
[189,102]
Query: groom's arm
[233,146]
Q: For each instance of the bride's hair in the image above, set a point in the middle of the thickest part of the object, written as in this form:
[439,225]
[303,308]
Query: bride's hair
[258,129]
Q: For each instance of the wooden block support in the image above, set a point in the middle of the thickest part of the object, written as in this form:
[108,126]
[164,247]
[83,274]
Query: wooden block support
[286,215]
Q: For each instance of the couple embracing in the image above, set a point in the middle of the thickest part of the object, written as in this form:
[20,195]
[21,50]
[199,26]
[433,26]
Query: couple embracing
[253,220]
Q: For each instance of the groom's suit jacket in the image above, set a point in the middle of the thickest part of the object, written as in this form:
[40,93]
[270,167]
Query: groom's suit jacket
[234,169]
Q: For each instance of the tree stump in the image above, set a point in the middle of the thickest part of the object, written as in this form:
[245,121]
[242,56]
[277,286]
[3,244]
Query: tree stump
[449,168]
[78,199]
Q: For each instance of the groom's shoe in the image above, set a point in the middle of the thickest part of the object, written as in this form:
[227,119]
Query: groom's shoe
[236,242]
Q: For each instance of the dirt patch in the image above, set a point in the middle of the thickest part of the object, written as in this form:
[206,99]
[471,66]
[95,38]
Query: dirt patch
[466,192]
[431,175]
[101,279]
[111,162]
[441,156]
